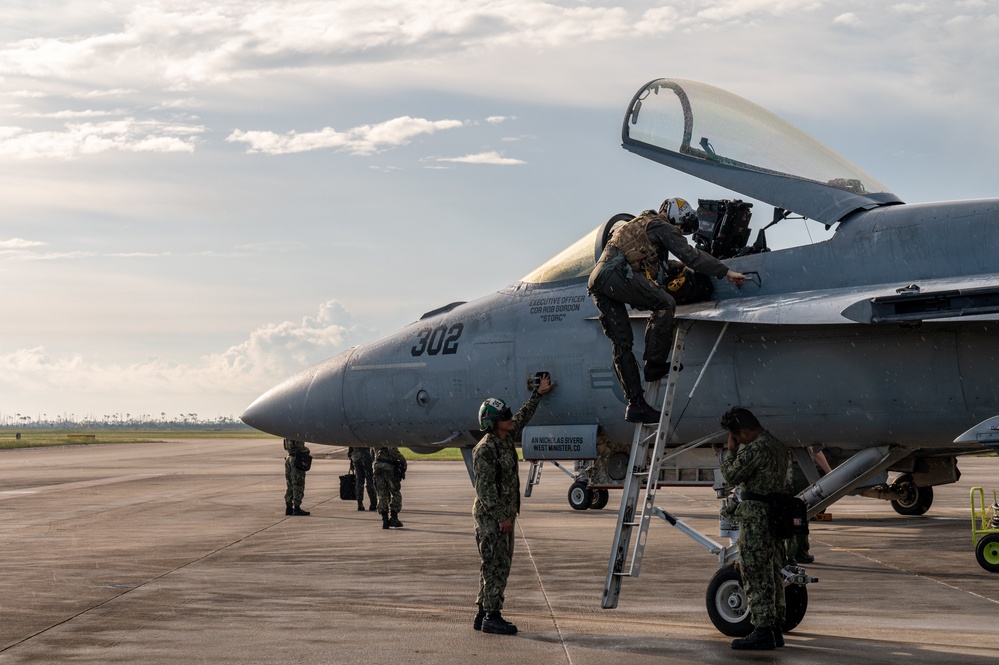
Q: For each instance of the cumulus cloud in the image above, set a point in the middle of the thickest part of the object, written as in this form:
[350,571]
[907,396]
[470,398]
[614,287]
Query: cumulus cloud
[483,158]
[497,119]
[269,355]
[363,140]
[76,139]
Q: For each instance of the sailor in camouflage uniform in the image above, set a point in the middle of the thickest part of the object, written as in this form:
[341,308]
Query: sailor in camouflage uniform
[360,461]
[497,503]
[631,271]
[390,471]
[294,477]
[758,462]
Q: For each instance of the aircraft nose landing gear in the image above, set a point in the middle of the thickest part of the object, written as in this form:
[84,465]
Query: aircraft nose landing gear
[728,607]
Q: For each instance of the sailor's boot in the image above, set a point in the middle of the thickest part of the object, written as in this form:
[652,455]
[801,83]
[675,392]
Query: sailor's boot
[394,519]
[287,509]
[778,636]
[360,505]
[479,616]
[495,623]
[299,511]
[761,639]
[385,520]
[639,411]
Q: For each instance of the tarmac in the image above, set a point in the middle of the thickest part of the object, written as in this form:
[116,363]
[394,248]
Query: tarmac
[181,552]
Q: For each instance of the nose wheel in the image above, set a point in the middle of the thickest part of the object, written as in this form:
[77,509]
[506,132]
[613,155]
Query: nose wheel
[728,607]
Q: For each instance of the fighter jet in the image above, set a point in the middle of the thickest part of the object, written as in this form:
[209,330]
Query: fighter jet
[880,344]
[884,336]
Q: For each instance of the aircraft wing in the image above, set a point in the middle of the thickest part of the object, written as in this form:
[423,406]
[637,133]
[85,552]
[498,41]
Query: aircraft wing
[725,139]
[937,299]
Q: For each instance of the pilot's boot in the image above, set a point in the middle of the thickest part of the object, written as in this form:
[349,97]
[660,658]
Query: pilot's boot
[495,623]
[761,639]
[385,520]
[299,511]
[639,411]
[479,616]
[655,371]
[394,519]
[287,509]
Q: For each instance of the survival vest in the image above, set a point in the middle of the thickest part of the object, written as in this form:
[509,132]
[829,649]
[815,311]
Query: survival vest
[633,242]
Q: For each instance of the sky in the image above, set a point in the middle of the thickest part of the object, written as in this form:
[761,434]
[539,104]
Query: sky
[200,199]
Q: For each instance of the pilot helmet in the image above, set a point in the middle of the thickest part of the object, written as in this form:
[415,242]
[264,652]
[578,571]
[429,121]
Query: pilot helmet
[492,410]
[680,214]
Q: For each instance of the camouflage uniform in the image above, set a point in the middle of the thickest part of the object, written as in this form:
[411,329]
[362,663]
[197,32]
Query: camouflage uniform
[614,284]
[361,460]
[295,477]
[759,467]
[497,498]
[389,470]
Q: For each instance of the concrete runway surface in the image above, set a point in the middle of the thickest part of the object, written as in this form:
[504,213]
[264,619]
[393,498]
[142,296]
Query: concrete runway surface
[180,552]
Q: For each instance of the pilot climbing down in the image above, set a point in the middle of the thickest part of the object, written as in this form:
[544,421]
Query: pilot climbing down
[631,271]
[497,502]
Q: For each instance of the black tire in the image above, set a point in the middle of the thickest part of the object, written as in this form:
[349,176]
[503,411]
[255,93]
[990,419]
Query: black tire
[580,496]
[987,552]
[600,499]
[917,500]
[796,600]
[728,607]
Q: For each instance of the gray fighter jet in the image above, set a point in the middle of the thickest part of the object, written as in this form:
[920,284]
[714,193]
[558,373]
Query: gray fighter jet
[881,343]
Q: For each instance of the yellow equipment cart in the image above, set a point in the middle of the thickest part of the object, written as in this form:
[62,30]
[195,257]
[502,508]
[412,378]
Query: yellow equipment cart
[985,529]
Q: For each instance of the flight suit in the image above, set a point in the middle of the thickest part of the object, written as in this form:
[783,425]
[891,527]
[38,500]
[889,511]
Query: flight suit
[389,470]
[614,284]
[759,467]
[497,498]
[294,477]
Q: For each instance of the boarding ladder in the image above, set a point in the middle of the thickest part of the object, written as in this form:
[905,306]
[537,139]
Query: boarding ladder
[643,478]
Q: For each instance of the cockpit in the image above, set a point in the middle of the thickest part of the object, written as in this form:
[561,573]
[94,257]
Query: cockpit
[725,139]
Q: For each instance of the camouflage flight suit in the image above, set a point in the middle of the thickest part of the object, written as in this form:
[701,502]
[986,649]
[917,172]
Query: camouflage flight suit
[389,470]
[614,284]
[363,471]
[497,498]
[294,476]
[759,467]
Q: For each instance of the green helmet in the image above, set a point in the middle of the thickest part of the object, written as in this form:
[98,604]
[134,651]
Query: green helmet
[492,410]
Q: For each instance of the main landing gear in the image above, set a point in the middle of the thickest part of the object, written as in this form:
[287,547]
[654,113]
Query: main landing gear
[581,497]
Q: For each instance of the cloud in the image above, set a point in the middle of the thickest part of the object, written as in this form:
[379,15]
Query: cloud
[126,135]
[20,243]
[269,355]
[483,158]
[363,140]
[849,18]
[497,119]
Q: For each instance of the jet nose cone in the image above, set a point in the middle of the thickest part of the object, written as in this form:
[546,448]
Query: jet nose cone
[306,407]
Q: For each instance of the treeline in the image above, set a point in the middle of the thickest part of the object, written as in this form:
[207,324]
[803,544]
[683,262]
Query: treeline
[121,421]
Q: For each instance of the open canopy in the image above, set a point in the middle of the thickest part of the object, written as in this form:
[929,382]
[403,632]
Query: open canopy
[725,139]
